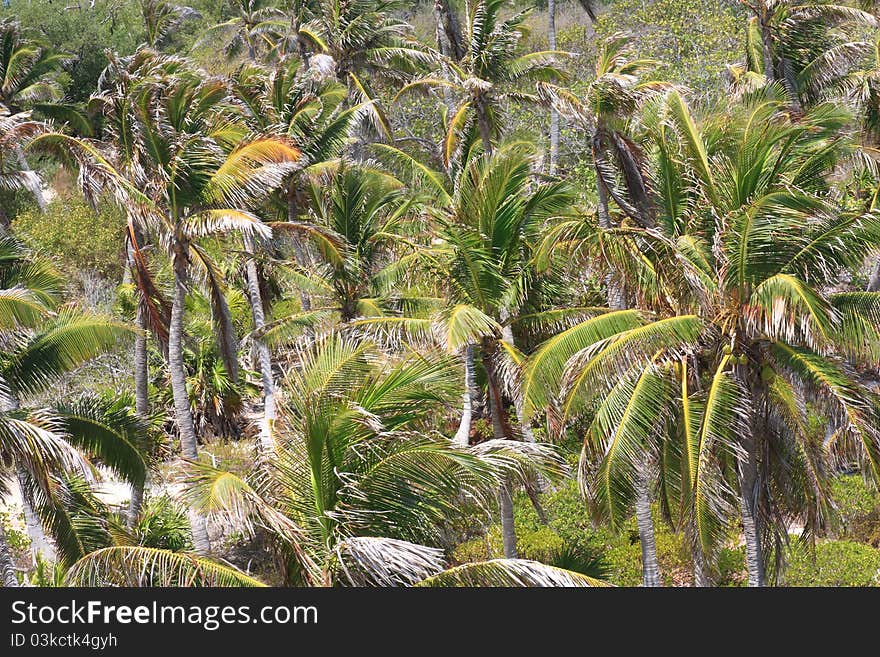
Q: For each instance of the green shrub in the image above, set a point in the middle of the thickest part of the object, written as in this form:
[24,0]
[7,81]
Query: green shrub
[858,509]
[80,239]
[835,563]
[164,525]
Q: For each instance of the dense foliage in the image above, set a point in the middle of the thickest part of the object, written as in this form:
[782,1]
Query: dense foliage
[376,293]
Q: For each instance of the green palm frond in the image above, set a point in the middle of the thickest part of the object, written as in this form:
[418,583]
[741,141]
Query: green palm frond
[59,346]
[143,566]
[509,572]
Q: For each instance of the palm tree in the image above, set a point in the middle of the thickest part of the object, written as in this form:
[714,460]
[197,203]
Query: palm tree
[488,75]
[356,481]
[255,28]
[608,112]
[44,341]
[800,46]
[198,170]
[27,68]
[756,339]
[15,129]
[589,6]
[486,236]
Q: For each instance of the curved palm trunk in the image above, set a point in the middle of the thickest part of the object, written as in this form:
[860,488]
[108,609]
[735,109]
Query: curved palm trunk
[616,295]
[7,567]
[462,436]
[645,523]
[182,411]
[554,115]
[500,432]
[267,441]
[751,532]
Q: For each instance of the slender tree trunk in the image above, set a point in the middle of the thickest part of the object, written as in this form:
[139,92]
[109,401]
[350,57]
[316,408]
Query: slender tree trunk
[7,566]
[701,574]
[751,531]
[38,190]
[554,115]
[462,436]
[483,125]
[298,252]
[613,286]
[500,432]
[448,22]
[40,544]
[182,410]
[874,280]
[141,400]
[445,49]
[267,424]
[645,523]
[508,529]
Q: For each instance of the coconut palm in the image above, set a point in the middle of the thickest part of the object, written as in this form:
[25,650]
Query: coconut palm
[255,29]
[764,336]
[308,111]
[486,236]
[201,170]
[804,46]
[42,342]
[27,80]
[356,480]
[488,75]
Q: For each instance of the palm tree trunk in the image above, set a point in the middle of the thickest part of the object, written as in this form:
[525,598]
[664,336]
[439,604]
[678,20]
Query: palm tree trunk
[182,410]
[7,566]
[38,190]
[554,115]
[141,404]
[500,432]
[701,574]
[40,545]
[299,254]
[874,280]
[645,523]
[751,531]
[483,124]
[447,20]
[462,436]
[267,441]
[614,289]
[445,49]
